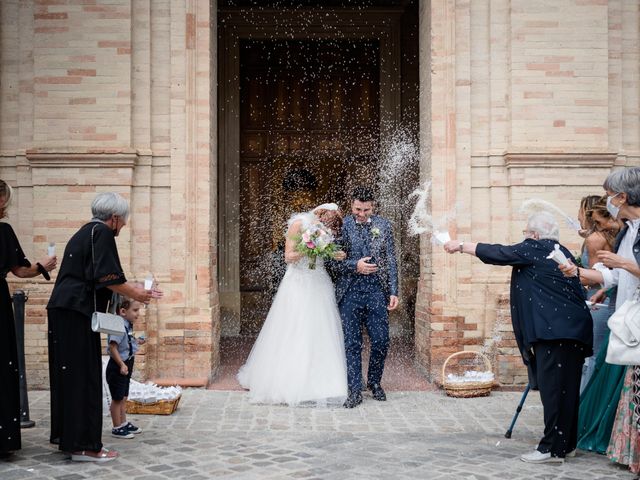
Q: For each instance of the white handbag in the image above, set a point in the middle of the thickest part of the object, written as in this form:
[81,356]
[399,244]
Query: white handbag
[102,322]
[624,340]
[107,323]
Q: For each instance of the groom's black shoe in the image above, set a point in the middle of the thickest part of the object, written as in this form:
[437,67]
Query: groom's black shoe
[378,392]
[353,400]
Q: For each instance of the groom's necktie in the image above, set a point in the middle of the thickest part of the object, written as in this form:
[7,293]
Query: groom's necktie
[363,232]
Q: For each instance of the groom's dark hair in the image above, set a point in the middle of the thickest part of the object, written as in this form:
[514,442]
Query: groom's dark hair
[363,194]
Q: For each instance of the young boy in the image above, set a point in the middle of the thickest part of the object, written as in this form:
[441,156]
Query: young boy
[122,350]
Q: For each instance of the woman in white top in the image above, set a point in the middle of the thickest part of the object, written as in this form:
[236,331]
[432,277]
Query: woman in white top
[622,270]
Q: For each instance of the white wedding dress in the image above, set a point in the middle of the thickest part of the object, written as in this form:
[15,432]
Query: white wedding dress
[299,355]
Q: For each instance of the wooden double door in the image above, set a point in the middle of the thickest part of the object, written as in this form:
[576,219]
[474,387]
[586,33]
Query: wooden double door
[309,133]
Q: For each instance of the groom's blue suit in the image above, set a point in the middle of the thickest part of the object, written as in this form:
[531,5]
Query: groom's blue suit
[364,298]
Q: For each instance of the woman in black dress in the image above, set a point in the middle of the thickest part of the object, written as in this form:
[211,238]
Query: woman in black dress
[12,260]
[75,364]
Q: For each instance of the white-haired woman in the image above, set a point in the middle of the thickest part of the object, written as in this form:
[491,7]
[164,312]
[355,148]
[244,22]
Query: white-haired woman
[623,272]
[90,271]
[552,326]
[299,354]
[12,259]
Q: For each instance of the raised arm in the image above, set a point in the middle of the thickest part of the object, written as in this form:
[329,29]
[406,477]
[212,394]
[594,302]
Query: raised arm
[290,253]
[613,260]
[588,276]
[454,246]
[132,290]
[46,264]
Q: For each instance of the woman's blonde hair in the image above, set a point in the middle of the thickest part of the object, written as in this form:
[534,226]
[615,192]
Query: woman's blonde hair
[5,193]
[601,209]
[586,204]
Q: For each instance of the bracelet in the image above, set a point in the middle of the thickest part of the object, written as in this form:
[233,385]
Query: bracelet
[42,271]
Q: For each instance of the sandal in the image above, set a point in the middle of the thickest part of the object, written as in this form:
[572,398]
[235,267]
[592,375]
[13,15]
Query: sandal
[103,455]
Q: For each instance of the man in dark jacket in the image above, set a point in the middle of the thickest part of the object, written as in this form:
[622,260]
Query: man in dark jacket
[366,291]
[552,325]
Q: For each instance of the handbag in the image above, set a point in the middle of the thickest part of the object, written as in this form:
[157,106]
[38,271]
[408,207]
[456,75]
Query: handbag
[624,340]
[104,322]
[107,323]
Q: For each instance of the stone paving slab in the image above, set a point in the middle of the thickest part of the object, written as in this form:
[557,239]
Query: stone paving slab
[414,435]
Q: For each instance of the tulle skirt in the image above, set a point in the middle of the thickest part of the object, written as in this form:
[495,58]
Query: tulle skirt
[299,356]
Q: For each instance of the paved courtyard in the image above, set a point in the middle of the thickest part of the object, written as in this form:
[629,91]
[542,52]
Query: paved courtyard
[217,434]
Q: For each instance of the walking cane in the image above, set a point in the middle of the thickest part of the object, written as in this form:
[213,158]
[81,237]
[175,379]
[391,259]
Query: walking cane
[518,410]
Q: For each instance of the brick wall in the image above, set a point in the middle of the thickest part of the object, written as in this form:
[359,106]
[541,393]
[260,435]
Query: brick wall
[517,99]
[116,96]
[528,99]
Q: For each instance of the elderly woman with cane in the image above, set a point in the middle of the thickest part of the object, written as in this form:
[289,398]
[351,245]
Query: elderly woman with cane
[12,259]
[622,270]
[89,274]
[552,325]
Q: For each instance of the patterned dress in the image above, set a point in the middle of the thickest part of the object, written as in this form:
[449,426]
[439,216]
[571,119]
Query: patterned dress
[624,447]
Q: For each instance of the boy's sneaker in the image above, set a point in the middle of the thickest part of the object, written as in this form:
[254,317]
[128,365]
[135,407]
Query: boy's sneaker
[132,428]
[121,432]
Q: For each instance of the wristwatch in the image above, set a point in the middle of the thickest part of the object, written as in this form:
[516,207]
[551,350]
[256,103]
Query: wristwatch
[461,246]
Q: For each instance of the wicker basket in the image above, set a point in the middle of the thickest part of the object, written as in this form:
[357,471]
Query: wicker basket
[467,389]
[161,407]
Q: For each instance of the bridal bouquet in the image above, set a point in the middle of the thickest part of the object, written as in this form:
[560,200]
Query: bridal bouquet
[316,241]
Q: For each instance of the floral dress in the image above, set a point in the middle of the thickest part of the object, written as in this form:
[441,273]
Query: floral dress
[624,447]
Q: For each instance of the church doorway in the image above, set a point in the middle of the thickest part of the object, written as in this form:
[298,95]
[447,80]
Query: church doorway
[309,98]
[309,133]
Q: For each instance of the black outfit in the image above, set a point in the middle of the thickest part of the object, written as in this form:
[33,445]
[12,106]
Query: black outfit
[75,363]
[554,330]
[11,255]
[118,383]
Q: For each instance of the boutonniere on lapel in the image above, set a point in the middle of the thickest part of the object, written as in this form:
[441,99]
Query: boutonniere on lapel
[375,232]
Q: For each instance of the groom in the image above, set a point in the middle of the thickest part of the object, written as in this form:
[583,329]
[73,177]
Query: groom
[366,290]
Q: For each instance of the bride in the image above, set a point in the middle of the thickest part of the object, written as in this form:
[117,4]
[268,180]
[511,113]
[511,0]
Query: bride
[299,354]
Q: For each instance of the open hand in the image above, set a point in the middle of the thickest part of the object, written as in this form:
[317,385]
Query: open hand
[156,293]
[610,259]
[599,297]
[49,263]
[142,295]
[366,268]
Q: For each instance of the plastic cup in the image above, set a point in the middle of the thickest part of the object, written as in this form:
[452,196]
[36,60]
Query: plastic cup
[441,237]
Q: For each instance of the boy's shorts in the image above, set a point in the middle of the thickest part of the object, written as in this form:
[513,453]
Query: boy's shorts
[118,383]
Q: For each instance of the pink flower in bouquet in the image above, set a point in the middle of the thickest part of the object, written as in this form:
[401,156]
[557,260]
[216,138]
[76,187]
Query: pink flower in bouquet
[306,237]
[311,245]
